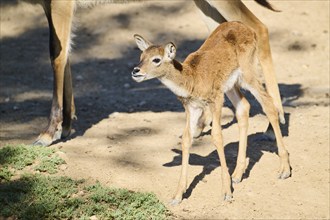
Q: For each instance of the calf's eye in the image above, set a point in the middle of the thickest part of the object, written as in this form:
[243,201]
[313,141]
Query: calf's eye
[156,60]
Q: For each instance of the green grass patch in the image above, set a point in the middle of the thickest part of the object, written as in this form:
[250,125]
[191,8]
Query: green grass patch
[49,164]
[39,196]
[46,197]
[13,158]
[5,173]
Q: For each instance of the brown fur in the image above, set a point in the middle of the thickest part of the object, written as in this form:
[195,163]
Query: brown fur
[225,62]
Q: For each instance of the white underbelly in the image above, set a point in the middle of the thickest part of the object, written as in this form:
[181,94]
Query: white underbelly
[233,79]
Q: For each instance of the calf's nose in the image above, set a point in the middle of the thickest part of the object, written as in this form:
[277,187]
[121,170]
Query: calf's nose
[135,71]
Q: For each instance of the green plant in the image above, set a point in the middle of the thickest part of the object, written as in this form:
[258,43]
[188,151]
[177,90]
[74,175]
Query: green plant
[40,197]
[13,158]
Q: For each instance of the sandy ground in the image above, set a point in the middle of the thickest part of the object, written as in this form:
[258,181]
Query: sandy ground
[128,134]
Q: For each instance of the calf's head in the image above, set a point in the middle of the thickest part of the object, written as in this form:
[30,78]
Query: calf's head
[155,61]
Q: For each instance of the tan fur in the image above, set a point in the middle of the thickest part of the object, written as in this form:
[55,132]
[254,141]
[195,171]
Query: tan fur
[60,16]
[225,62]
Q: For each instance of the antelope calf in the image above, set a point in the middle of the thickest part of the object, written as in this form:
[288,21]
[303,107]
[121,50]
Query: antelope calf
[224,63]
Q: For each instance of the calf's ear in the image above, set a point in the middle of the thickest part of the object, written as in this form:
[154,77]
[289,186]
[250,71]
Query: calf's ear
[142,43]
[170,51]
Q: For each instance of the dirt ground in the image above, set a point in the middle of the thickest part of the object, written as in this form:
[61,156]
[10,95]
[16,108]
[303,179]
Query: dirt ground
[128,134]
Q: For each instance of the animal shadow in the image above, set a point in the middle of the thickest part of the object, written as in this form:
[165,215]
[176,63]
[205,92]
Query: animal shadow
[210,162]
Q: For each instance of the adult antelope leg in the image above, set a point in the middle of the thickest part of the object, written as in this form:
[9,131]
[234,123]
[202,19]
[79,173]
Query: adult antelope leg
[211,15]
[235,10]
[59,15]
[68,102]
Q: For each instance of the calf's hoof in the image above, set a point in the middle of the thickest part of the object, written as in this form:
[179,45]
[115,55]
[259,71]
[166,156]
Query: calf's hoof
[175,202]
[285,168]
[236,180]
[228,197]
[284,175]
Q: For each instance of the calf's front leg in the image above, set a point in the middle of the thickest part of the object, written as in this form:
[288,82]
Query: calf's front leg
[193,114]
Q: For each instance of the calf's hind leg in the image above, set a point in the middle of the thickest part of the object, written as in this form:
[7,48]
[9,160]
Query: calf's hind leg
[237,11]
[242,109]
[218,142]
[271,112]
[251,83]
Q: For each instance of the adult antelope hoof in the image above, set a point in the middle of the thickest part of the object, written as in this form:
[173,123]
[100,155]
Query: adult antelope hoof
[67,127]
[44,140]
[66,132]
